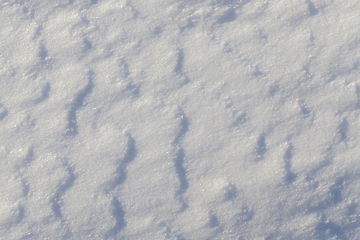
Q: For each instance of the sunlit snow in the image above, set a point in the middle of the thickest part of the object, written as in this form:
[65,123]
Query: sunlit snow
[180,119]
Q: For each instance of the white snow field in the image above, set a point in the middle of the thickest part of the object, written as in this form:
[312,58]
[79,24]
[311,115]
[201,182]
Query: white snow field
[180,119]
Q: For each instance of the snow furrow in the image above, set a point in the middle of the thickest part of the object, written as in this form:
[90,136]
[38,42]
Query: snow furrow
[76,104]
[180,170]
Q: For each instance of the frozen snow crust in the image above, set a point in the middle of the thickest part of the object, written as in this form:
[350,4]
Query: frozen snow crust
[193,119]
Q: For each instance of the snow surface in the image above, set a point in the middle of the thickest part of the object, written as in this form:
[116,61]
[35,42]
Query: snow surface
[179,119]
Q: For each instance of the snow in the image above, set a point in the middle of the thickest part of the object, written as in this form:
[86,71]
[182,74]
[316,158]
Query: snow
[179,119]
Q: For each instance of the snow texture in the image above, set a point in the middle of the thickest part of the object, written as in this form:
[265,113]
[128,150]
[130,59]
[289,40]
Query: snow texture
[179,119]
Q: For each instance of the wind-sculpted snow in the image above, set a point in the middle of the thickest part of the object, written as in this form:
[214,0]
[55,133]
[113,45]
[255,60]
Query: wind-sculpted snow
[206,119]
[72,128]
[67,183]
[180,158]
[289,175]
